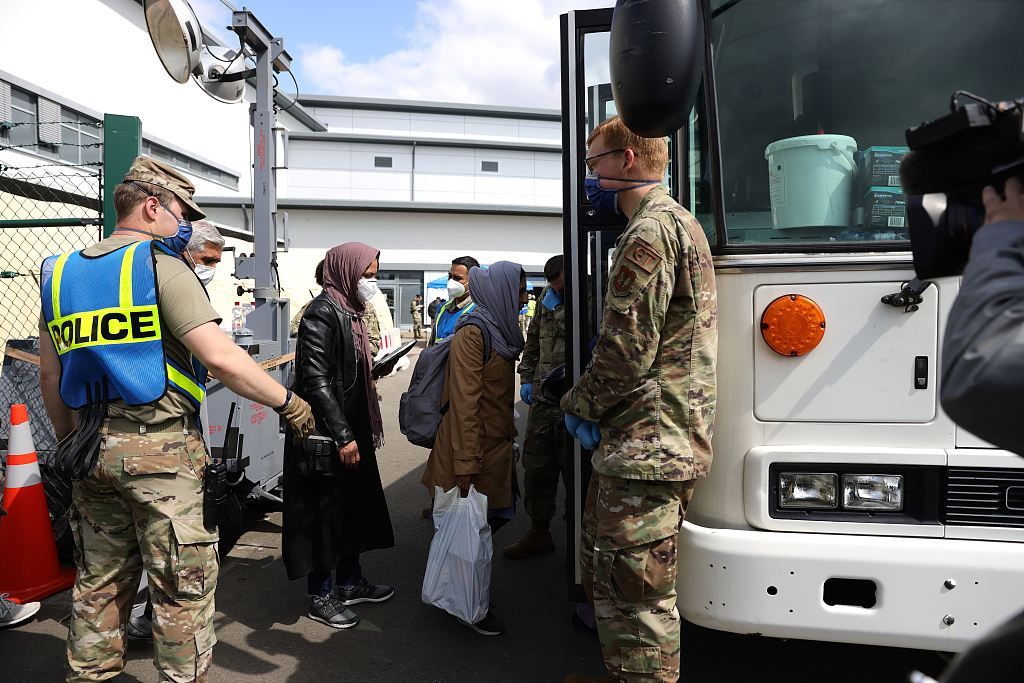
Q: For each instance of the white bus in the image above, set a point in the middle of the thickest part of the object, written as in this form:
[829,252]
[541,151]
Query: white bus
[843,504]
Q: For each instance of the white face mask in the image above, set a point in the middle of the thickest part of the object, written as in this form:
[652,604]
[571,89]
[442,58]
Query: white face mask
[455,289]
[205,273]
[367,288]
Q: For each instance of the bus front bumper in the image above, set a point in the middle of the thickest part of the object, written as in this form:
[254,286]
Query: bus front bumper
[927,593]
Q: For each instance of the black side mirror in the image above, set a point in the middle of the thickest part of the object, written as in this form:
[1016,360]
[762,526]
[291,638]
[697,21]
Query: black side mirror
[656,55]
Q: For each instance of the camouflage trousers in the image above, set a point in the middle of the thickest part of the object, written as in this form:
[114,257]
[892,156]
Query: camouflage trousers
[628,555]
[417,328]
[544,459]
[141,508]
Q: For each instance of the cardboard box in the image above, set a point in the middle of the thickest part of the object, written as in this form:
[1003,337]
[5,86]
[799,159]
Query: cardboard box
[885,209]
[880,166]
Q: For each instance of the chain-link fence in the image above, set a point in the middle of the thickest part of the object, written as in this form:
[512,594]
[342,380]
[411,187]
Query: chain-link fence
[45,208]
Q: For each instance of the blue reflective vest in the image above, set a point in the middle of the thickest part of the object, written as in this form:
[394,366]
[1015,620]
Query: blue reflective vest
[103,317]
[446,319]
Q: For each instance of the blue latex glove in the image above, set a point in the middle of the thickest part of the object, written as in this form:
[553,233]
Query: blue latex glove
[526,393]
[572,424]
[589,435]
[551,300]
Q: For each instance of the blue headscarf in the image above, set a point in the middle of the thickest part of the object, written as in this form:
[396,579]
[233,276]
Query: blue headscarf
[495,292]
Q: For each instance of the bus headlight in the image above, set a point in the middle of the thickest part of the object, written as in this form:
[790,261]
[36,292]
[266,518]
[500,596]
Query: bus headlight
[873,491]
[808,490]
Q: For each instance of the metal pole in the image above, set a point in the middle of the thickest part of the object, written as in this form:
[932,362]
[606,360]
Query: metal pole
[265,319]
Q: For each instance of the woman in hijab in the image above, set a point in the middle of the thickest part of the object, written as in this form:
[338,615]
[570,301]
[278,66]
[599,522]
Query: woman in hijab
[334,506]
[473,445]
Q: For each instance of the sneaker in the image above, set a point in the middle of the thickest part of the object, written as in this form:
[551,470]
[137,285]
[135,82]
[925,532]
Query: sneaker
[327,610]
[488,626]
[364,591]
[12,613]
[139,628]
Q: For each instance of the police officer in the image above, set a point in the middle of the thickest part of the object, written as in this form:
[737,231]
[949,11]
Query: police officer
[128,335]
[645,405]
[544,445]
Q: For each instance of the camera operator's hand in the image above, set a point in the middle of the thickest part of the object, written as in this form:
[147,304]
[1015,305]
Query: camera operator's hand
[1010,209]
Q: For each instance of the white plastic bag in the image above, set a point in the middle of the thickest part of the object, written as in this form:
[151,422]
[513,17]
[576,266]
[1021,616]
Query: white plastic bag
[458,576]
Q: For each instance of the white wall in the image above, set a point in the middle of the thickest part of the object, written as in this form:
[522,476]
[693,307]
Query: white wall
[459,126]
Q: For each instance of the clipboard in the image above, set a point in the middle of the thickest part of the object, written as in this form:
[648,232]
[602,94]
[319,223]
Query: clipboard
[390,359]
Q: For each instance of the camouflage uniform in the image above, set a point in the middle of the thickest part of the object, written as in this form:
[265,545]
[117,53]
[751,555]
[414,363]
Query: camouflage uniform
[650,386]
[142,508]
[544,444]
[416,309]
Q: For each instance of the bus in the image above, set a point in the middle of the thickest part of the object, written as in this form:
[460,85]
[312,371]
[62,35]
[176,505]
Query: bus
[843,504]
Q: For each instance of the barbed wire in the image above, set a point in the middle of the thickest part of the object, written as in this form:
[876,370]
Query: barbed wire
[16,124]
[52,144]
[66,164]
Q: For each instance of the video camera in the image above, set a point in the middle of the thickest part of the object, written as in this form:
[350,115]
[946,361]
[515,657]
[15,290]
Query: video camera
[951,160]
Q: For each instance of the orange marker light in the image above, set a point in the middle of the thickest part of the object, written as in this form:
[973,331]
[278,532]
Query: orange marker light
[793,325]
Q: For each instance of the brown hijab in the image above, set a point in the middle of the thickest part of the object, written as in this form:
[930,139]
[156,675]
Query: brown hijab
[343,266]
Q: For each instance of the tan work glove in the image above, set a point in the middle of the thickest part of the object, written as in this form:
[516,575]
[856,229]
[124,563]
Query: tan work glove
[299,415]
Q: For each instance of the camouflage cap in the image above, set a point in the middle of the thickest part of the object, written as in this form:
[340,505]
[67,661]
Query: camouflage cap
[147,170]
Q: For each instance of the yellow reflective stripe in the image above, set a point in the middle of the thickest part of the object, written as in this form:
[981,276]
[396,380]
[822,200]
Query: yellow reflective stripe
[58,270]
[126,275]
[184,382]
[105,326]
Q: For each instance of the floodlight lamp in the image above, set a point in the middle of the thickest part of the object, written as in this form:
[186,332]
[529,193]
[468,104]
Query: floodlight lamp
[176,35]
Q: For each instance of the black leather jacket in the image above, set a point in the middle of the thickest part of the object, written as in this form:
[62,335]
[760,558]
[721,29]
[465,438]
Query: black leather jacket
[327,370]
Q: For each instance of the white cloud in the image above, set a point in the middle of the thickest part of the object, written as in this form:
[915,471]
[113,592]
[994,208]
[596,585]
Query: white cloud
[467,51]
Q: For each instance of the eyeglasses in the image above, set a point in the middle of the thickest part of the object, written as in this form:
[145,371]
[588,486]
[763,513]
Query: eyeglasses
[589,160]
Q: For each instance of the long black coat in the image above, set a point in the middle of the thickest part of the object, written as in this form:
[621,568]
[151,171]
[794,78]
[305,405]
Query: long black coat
[327,518]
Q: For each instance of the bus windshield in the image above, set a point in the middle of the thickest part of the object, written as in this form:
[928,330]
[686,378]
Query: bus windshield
[814,97]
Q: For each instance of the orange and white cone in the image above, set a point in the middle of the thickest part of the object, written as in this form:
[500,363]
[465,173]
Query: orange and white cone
[29,569]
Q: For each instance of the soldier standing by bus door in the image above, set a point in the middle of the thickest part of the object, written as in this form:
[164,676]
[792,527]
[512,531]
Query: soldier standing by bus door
[645,406]
[544,444]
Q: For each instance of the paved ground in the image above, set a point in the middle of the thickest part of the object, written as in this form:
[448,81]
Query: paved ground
[263,633]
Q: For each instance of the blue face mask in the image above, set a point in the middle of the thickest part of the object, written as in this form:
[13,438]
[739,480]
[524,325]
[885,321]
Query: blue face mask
[551,300]
[606,201]
[179,240]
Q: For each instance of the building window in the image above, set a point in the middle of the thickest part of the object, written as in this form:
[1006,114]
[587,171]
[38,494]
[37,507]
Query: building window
[49,129]
[383,162]
[489,166]
[187,163]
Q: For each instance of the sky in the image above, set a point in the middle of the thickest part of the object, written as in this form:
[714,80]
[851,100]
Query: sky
[500,52]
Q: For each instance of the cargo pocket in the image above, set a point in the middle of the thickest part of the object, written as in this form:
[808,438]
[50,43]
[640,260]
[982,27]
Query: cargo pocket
[198,458]
[641,660]
[138,465]
[194,561]
[205,638]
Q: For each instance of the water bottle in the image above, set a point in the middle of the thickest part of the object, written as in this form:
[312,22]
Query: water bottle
[237,318]
[247,308]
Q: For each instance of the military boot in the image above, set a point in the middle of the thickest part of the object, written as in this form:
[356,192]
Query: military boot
[537,541]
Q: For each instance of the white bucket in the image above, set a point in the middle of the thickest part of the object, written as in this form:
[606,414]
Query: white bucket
[810,179]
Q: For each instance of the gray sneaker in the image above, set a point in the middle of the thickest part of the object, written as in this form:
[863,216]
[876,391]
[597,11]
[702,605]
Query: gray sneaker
[330,611]
[12,613]
[364,591]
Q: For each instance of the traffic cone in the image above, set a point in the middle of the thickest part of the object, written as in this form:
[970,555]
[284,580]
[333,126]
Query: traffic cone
[29,569]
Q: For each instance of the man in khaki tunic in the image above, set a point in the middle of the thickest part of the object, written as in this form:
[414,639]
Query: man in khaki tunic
[140,505]
[645,405]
